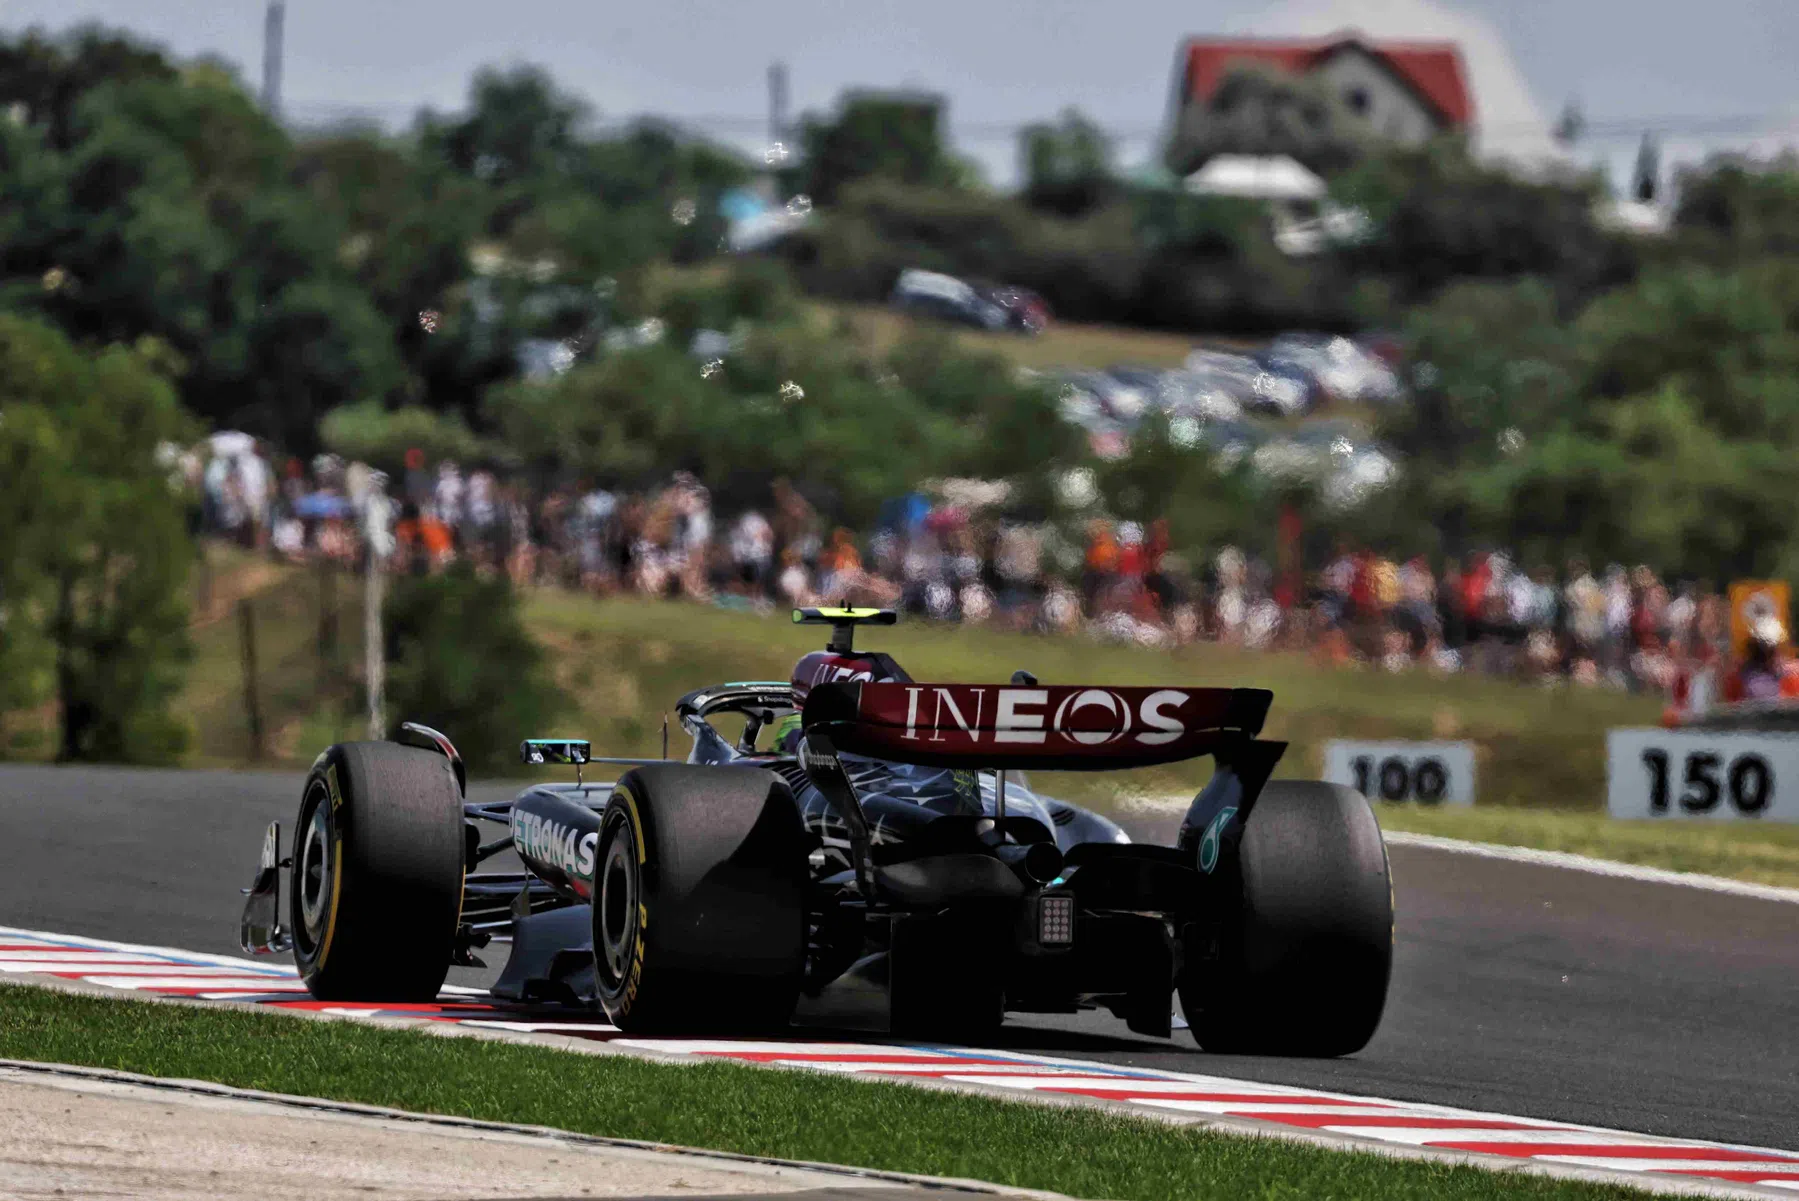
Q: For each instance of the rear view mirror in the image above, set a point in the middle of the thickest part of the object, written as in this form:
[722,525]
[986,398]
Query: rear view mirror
[260,932]
[555,750]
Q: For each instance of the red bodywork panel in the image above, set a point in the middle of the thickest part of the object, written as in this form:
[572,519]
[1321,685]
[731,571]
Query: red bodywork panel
[1060,727]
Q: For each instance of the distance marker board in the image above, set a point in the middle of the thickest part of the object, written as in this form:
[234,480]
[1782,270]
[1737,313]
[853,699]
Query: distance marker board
[1430,773]
[1702,775]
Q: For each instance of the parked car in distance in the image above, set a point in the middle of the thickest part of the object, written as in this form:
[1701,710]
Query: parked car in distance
[1343,369]
[946,298]
[1025,310]
[1252,382]
[1187,394]
[1122,402]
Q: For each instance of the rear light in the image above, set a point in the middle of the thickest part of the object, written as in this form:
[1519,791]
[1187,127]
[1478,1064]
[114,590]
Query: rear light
[1055,920]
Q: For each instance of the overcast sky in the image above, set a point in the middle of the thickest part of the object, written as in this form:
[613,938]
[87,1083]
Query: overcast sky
[999,61]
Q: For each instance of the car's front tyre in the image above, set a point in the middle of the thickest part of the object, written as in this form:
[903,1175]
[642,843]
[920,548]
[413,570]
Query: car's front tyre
[376,892]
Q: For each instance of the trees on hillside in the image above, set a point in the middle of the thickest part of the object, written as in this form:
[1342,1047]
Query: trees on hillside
[1439,216]
[92,585]
[1067,165]
[874,135]
[1659,427]
[1738,210]
[138,197]
[792,399]
[158,205]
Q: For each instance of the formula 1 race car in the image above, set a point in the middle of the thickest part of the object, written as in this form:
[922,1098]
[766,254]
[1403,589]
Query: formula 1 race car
[879,863]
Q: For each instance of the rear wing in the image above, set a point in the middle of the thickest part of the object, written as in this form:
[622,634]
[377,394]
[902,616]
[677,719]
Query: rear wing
[1067,727]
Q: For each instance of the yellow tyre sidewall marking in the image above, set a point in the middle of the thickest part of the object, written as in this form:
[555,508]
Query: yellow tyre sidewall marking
[337,883]
[335,797]
[634,975]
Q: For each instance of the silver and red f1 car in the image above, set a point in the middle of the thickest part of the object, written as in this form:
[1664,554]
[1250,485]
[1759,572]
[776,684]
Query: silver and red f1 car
[866,853]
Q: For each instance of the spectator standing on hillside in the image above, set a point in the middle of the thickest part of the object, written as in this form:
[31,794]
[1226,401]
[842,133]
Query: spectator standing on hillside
[1335,584]
[1766,672]
[417,481]
[1415,614]
[1475,582]
[694,533]
[1583,610]
[839,565]
[1128,585]
[479,515]
[793,584]
[592,516]
[1232,605]
[1451,617]
[795,523]
[1618,608]
[512,534]
[1016,561]
[752,546]
[1101,566]
[446,497]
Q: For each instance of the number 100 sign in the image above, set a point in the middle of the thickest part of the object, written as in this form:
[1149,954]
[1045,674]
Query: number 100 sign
[1700,774]
[1425,773]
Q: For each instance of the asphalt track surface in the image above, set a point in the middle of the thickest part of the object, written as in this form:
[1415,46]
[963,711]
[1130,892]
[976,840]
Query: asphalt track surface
[1519,988]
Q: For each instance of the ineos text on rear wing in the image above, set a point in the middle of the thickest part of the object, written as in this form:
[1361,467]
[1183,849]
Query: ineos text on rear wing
[1067,727]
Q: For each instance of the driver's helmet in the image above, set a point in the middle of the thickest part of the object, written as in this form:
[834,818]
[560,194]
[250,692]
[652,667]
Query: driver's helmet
[786,740]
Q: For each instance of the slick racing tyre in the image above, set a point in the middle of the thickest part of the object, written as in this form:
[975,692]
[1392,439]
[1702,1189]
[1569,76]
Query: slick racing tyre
[377,875]
[699,900]
[1302,966]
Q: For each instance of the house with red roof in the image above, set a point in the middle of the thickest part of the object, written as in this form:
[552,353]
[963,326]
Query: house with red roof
[1406,92]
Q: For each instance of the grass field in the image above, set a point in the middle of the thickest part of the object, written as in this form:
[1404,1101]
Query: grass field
[1061,345]
[1540,752]
[1761,854]
[726,1107]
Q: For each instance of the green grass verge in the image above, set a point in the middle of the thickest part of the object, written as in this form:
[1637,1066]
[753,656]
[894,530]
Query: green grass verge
[724,1106]
[1763,854]
[629,659]
[1541,752]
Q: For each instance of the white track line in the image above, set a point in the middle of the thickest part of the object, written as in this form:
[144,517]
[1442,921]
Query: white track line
[1563,859]
[1598,867]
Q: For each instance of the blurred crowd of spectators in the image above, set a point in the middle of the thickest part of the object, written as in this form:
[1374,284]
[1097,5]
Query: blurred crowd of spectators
[957,561]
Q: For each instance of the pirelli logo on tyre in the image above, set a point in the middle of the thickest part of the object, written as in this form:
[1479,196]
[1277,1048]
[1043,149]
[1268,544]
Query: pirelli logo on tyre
[634,974]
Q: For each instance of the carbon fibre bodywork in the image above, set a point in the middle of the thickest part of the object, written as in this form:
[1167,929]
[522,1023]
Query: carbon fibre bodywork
[949,912]
[941,890]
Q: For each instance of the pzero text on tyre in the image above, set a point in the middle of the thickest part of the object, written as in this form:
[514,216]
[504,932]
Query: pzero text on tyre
[377,873]
[1302,967]
[699,902]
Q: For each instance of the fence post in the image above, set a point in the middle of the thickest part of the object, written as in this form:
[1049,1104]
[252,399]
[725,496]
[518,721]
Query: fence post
[378,543]
[246,625]
[203,601]
[375,655]
[327,625]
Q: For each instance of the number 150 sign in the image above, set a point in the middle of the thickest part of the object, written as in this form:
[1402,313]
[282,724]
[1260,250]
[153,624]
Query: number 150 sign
[1701,774]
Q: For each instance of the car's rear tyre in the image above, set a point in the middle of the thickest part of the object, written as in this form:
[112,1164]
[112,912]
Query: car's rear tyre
[699,900]
[1302,966]
[376,892]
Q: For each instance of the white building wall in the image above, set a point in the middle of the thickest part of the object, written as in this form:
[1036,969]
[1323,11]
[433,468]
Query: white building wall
[1392,110]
